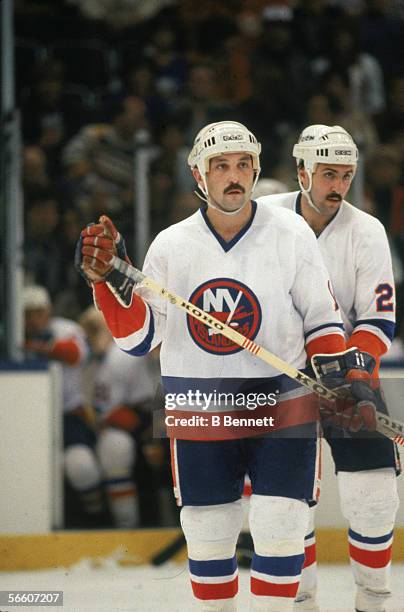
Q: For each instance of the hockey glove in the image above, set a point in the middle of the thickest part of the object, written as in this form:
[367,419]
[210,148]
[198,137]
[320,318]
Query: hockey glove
[349,374]
[97,245]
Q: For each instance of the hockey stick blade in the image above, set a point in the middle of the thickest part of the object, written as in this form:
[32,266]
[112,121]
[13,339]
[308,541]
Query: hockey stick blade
[387,426]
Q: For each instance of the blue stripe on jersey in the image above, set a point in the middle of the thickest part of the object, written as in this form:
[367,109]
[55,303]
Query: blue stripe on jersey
[144,346]
[310,535]
[222,567]
[387,327]
[278,566]
[226,246]
[364,540]
[281,383]
[316,329]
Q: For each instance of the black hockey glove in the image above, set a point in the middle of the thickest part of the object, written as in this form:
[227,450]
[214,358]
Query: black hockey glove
[348,373]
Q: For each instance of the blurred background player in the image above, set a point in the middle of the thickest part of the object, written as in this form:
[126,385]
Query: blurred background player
[120,389]
[62,340]
[356,252]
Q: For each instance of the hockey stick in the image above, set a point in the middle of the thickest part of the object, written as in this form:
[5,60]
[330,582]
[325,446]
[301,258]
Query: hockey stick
[385,424]
[169,551]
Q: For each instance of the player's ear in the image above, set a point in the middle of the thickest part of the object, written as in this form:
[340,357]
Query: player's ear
[197,176]
[304,177]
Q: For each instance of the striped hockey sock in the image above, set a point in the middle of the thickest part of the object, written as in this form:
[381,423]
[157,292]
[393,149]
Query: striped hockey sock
[275,581]
[215,583]
[371,562]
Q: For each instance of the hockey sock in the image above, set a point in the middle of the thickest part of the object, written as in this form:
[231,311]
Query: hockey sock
[274,581]
[370,562]
[215,583]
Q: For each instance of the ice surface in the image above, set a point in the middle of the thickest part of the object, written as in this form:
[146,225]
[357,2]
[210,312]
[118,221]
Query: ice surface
[97,587]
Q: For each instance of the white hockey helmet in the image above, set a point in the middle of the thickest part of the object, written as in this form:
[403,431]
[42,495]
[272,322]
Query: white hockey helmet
[324,144]
[35,297]
[223,137]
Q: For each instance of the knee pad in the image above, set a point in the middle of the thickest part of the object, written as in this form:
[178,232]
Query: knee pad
[212,531]
[81,467]
[278,525]
[369,500]
[116,450]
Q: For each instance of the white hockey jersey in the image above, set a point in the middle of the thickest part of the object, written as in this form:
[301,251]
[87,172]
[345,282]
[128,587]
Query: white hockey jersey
[356,252]
[63,329]
[121,380]
[269,283]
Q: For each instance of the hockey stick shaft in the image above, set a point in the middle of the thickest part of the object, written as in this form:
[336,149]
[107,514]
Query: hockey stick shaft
[169,551]
[385,425]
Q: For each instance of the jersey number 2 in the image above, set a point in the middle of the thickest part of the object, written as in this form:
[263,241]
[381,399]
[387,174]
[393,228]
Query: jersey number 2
[384,302]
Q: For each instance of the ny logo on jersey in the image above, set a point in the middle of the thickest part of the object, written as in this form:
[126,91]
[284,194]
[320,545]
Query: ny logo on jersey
[232,303]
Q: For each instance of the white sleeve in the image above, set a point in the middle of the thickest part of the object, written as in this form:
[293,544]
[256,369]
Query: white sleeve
[312,292]
[155,266]
[375,293]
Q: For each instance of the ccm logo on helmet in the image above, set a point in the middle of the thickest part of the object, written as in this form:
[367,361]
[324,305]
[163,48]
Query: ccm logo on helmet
[233,137]
[343,152]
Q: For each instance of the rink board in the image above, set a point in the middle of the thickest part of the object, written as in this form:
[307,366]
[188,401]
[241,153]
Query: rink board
[31,552]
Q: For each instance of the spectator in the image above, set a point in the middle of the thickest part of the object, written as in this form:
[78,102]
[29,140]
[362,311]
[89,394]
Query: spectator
[99,160]
[51,114]
[313,20]
[336,85]
[204,101]
[278,55]
[34,170]
[168,179]
[42,257]
[366,84]
[382,33]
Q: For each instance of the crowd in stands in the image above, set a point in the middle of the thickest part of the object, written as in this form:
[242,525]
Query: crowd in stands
[99,81]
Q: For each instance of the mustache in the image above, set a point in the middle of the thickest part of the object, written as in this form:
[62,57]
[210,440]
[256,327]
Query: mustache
[234,186]
[334,195]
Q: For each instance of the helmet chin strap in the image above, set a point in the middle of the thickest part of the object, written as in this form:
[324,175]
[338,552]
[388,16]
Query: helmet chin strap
[205,198]
[306,192]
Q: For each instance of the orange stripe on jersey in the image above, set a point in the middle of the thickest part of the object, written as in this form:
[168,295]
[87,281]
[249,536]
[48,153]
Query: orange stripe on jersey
[121,321]
[368,342]
[332,343]
[129,492]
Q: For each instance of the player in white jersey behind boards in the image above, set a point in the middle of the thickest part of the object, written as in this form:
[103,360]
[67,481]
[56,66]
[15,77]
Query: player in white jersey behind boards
[62,340]
[258,268]
[120,389]
[355,250]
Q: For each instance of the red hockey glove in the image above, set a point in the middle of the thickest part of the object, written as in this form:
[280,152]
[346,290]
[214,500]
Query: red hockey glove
[349,374]
[98,244]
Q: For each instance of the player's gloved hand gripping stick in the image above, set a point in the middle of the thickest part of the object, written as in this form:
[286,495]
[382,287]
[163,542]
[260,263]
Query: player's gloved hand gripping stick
[101,256]
[384,424]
